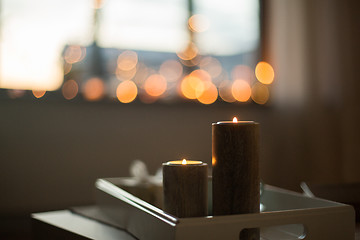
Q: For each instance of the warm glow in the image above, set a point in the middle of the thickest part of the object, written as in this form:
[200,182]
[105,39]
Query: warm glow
[242,72]
[235,120]
[74,54]
[98,4]
[94,89]
[38,93]
[70,89]
[208,94]
[126,92]
[264,73]
[142,73]
[171,70]
[213,161]
[184,162]
[211,65]
[125,75]
[241,90]
[155,85]
[191,85]
[127,60]
[225,91]
[198,23]
[189,53]
[260,93]
[201,74]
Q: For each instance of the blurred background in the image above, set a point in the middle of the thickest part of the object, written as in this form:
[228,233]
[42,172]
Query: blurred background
[88,86]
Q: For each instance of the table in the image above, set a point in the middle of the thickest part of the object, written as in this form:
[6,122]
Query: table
[65,224]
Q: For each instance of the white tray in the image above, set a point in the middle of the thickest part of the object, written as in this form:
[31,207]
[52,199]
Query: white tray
[287,215]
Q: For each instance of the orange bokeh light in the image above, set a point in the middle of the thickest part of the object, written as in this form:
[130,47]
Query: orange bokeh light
[201,74]
[260,93]
[241,90]
[242,72]
[190,85]
[171,70]
[70,89]
[208,94]
[97,4]
[126,92]
[264,72]
[155,85]
[211,65]
[74,54]
[125,75]
[67,68]
[198,23]
[127,60]
[94,89]
[38,93]
[225,91]
[189,53]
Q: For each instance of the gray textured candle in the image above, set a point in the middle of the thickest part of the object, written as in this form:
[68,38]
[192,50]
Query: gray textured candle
[185,188]
[235,170]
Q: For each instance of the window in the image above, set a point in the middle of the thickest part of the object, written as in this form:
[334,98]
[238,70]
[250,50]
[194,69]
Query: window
[125,50]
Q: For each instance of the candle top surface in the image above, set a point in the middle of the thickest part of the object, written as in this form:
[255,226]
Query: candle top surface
[184,162]
[236,123]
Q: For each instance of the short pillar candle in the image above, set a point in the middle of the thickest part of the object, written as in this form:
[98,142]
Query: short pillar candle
[185,188]
[235,170]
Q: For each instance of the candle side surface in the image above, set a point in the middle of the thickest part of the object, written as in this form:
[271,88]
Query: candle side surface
[185,189]
[236,180]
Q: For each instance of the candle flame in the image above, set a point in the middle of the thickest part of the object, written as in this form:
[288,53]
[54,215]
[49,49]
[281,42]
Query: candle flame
[235,120]
[183,162]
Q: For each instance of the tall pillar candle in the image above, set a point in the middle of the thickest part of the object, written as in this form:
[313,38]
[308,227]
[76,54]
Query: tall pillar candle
[235,170]
[185,188]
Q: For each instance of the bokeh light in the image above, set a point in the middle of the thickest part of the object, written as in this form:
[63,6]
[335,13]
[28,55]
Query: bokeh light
[67,68]
[141,74]
[125,75]
[126,92]
[97,4]
[242,72]
[208,94]
[38,93]
[241,90]
[127,60]
[189,53]
[155,85]
[225,92]
[264,73]
[260,93]
[198,23]
[70,89]
[94,89]
[211,65]
[74,54]
[191,85]
[171,70]
[201,74]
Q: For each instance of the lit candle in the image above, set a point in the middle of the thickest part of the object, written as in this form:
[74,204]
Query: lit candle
[185,188]
[235,169]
